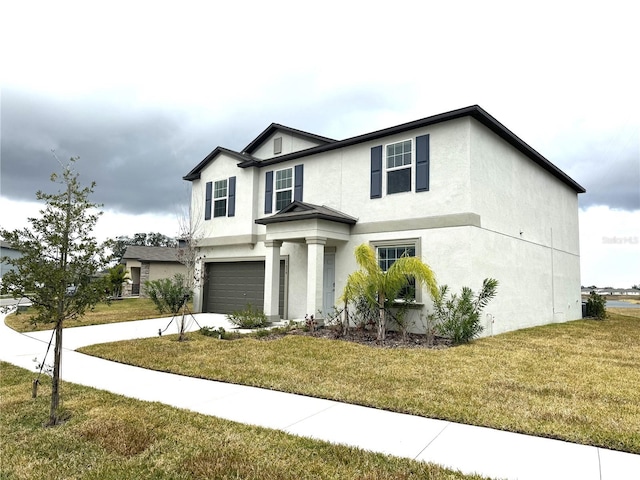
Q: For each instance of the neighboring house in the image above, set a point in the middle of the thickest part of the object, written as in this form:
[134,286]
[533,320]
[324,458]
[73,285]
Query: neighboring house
[7,251]
[279,221]
[149,263]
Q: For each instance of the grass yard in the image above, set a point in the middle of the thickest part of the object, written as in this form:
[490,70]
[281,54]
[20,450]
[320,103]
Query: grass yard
[113,437]
[577,381]
[117,311]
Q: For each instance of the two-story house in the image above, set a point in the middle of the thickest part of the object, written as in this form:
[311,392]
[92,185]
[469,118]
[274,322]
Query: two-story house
[279,221]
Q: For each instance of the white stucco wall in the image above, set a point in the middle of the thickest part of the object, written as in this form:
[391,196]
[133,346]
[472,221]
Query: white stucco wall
[224,167]
[471,170]
[528,217]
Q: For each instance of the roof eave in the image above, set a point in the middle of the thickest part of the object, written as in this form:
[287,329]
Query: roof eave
[304,216]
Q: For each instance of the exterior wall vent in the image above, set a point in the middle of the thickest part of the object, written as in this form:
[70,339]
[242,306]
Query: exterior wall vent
[277,145]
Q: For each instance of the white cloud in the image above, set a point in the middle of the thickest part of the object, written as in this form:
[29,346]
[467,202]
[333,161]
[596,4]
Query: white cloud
[110,224]
[609,247]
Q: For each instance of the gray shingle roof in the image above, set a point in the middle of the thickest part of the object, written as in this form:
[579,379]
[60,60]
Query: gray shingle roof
[151,254]
[302,211]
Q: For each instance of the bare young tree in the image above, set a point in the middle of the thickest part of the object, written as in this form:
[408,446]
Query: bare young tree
[190,219]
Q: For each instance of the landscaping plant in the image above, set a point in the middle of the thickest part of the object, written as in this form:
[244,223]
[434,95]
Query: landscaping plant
[596,306]
[170,295]
[380,287]
[58,264]
[458,318]
[249,317]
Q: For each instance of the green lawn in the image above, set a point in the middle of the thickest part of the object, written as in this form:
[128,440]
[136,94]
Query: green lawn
[117,311]
[109,437]
[578,381]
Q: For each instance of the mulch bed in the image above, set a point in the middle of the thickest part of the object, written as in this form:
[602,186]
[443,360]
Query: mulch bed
[368,337]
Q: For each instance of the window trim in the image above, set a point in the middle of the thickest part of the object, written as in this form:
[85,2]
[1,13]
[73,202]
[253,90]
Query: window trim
[277,190]
[217,199]
[409,166]
[414,242]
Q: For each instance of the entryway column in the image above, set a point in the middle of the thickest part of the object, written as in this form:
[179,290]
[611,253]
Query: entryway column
[272,280]
[315,270]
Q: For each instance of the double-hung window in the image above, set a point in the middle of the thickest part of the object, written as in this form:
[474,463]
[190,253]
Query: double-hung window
[387,256]
[398,162]
[220,198]
[284,188]
[403,165]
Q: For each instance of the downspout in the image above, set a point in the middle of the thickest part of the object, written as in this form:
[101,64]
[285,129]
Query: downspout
[553,288]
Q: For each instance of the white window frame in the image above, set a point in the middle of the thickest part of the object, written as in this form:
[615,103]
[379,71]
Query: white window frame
[219,196]
[277,190]
[409,166]
[403,242]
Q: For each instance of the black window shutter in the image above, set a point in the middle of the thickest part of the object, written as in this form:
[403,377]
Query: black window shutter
[376,172]
[268,192]
[231,212]
[207,201]
[297,190]
[422,163]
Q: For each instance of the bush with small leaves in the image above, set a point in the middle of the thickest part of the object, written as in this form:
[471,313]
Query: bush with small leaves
[249,317]
[596,306]
[168,295]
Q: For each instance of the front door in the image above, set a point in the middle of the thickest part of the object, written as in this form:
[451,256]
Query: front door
[329,286]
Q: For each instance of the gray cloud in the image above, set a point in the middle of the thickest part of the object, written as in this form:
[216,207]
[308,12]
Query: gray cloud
[137,156]
[607,164]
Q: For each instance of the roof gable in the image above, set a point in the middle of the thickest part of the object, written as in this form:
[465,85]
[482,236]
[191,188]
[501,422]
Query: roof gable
[194,174]
[474,111]
[274,127]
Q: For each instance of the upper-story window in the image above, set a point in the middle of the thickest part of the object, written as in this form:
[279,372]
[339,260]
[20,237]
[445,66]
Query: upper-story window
[284,188]
[405,165]
[399,166]
[220,198]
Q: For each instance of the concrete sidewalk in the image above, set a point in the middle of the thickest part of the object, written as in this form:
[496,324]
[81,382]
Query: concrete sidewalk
[489,452]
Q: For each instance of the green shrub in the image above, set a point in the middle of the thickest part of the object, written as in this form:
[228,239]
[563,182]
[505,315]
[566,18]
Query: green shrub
[249,317]
[220,333]
[458,318]
[596,306]
[168,295]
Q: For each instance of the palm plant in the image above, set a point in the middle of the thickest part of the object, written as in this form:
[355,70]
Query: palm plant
[380,287]
[116,276]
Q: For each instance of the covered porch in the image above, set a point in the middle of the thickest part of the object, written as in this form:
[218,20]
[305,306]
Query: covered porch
[322,230]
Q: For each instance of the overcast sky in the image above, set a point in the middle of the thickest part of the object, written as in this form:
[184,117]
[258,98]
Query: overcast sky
[142,91]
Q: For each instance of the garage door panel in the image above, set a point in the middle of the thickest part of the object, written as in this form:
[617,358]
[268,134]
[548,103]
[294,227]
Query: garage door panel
[230,286]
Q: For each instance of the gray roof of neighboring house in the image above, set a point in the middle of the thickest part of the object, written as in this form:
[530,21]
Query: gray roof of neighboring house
[6,245]
[303,211]
[150,254]
[475,111]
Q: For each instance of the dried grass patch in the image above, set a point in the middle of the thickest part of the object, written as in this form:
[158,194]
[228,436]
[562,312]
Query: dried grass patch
[117,311]
[109,437]
[578,381]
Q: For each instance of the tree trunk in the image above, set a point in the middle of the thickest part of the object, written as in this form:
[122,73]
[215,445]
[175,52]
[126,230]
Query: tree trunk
[382,327]
[54,417]
[181,325]
[345,321]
